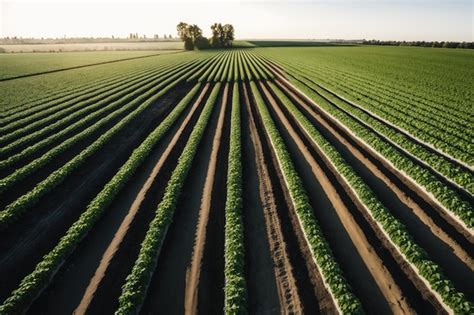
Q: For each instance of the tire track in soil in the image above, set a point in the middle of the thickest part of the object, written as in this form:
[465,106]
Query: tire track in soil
[166,291]
[314,296]
[288,296]
[194,269]
[37,233]
[374,263]
[456,262]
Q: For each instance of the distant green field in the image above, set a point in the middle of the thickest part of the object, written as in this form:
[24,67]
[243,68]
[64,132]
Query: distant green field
[18,64]
[22,90]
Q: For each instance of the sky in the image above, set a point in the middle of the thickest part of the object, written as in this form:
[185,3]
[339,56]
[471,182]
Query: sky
[431,20]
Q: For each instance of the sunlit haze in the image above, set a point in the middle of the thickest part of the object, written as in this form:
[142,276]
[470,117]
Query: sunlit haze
[385,20]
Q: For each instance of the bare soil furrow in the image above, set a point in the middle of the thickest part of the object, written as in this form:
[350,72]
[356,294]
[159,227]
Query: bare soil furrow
[283,270]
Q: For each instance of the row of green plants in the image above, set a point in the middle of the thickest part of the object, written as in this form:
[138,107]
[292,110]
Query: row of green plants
[418,99]
[60,96]
[423,177]
[56,122]
[136,285]
[17,208]
[235,289]
[205,74]
[449,140]
[437,138]
[205,67]
[49,135]
[59,92]
[445,119]
[451,171]
[394,229]
[345,300]
[34,283]
[438,78]
[414,112]
[234,65]
[62,112]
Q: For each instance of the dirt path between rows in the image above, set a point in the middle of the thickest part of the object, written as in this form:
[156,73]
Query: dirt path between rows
[286,284]
[123,229]
[194,269]
[420,191]
[459,251]
[313,293]
[36,234]
[408,270]
[382,276]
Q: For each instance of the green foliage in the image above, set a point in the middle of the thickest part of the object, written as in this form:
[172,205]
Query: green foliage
[136,285]
[188,44]
[395,230]
[34,283]
[202,43]
[58,117]
[234,271]
[17,208]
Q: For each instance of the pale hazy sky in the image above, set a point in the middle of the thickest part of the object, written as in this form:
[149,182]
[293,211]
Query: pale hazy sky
[384,19]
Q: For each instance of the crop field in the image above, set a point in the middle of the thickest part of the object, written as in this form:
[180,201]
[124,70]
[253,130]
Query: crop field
[261,180]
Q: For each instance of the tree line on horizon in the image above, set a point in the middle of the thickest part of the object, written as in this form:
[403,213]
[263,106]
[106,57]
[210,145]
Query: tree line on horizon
[191,35]
[469,45]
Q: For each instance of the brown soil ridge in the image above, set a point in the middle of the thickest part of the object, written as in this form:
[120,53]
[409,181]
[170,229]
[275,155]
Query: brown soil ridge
[193,272]
[286,284]
[123,229]
[326,302]
[382,276]
[411,271]
[407,134]
[428,197]
[458,250]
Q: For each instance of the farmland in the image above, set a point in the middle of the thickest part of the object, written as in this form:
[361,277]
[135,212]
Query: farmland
[257,180]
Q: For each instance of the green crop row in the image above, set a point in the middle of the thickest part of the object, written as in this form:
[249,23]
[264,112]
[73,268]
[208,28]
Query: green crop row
[457,146]
[439,163]
[447,197]
[62,95]
[427,114]
[135,288]
[23,126]
[330,271]
[17,208]
[205,68]
[28,124]
[212,68]
[395,230]
[103,109]
[31,286]
[449,140]
[235,288]
[94,105]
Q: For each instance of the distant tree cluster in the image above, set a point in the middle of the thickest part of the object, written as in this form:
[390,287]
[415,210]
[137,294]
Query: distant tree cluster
[469,45]
[191,35]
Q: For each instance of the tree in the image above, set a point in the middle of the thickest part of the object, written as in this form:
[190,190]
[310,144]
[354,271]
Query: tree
[183,31]
[216,39]
[202,43]
[188,44]
[228,35]
[194,32]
